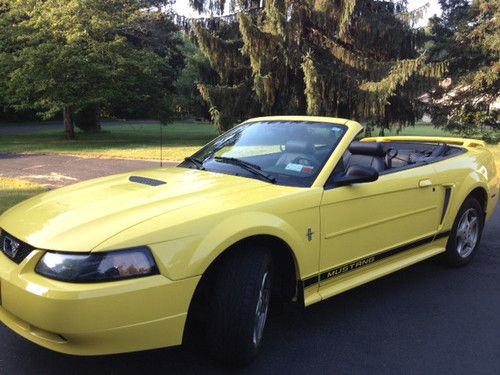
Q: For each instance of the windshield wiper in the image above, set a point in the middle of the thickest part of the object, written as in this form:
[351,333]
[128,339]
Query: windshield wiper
[221,144]
[253,168]
[196,162]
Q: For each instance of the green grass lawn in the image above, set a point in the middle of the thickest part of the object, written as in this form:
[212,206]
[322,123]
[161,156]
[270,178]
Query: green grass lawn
[133,141]
[14,191]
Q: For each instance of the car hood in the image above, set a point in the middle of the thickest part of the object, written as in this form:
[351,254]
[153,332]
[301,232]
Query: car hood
[81,216]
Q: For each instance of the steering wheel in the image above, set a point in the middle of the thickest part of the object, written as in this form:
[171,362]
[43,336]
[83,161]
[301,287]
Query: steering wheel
[305,160]
[390,154]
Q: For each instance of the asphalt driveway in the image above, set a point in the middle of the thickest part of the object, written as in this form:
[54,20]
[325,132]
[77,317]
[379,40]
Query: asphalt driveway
[426,319]
[59,170]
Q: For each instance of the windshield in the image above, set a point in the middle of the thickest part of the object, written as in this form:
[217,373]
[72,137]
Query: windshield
[287,153]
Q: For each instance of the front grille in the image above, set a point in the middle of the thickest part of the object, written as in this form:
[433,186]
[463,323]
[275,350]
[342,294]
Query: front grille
[23,251]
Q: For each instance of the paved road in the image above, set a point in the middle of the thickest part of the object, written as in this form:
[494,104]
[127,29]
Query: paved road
[58,170]
[426,319]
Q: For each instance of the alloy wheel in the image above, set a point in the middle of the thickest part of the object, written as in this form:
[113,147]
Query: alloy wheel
[261,309]
[467,233]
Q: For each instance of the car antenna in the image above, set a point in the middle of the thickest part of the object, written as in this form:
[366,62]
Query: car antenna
[161,145]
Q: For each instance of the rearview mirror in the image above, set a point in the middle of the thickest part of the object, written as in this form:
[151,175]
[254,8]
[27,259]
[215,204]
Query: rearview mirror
[357,174]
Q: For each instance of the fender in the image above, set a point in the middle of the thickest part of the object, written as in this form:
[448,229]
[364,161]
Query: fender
[191,251]
[239,227]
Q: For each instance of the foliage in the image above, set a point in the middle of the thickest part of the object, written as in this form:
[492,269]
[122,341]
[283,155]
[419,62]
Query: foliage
[234,99]
[187,99]
[351,58]
[468,35]
[81,54]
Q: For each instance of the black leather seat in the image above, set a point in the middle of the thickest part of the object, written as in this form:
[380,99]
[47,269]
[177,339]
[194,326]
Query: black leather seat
[367,154]
[440,150]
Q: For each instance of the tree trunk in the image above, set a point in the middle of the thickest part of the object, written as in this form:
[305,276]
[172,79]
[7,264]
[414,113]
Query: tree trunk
[87,119]
[69,127]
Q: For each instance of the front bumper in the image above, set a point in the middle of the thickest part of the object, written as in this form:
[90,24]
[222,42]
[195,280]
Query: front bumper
[92,319]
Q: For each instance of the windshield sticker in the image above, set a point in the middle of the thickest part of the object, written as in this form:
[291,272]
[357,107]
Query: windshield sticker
[294,167]
[307,170]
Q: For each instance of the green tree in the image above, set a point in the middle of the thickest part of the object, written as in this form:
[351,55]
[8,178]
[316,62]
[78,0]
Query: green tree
[187,99]
[468,36]
[78,56]
[351,58]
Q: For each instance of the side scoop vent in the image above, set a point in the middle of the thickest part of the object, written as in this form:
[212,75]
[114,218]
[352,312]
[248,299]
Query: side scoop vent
[146,181]
[447,194]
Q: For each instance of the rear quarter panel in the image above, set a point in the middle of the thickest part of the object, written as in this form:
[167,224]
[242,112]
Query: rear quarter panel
[464,173]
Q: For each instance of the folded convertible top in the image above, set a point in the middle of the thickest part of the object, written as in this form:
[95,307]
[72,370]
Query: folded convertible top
[464,142]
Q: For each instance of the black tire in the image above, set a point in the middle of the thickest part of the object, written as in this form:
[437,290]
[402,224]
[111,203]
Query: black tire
[457,254]
[240,281]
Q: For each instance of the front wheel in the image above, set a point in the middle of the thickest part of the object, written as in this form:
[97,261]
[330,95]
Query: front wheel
[240,304]
[465,234]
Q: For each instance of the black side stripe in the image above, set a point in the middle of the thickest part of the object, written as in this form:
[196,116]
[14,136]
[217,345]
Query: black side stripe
[357,264]
[310,281]
[442,235]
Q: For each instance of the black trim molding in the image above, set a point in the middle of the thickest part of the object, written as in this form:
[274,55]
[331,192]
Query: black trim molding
[357,264]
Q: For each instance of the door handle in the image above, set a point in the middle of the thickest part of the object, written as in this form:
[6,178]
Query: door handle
[425,183]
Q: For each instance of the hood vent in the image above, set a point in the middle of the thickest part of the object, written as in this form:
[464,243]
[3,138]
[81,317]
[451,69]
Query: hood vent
[146,181]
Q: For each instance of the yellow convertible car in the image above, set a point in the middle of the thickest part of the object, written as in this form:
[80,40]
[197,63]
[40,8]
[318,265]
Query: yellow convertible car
[277,209]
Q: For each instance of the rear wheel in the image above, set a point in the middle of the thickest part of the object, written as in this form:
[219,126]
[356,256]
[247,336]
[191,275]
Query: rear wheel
[239,307]
[465,234]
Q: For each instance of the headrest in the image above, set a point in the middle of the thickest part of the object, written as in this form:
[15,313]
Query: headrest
[299,147]
[440,150]
[367,148]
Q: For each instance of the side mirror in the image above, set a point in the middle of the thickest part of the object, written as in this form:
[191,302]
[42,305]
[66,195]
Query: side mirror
[357,174]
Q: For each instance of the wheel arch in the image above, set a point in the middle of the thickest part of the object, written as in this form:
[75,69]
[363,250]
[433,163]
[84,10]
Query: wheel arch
[458,255]
[285,266]
[481,195]
[285,261]
[242,228]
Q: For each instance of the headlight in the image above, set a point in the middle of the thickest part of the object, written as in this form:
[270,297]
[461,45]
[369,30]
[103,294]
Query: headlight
[98,267]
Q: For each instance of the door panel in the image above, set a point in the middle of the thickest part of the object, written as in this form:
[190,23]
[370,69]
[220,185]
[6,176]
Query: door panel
[361,220]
